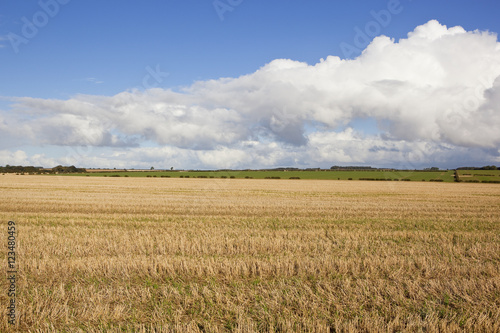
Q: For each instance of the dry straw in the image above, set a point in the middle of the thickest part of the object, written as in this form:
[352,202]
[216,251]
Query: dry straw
[203,255]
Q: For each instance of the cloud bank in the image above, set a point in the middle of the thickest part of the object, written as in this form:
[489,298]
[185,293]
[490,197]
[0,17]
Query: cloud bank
[434,97]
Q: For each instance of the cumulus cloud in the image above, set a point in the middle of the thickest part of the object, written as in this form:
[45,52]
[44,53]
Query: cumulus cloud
[433,93]
[18,157]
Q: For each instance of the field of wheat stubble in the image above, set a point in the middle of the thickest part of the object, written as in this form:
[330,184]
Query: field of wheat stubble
[249,255]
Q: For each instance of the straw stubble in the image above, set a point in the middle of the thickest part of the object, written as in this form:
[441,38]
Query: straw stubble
[141,254]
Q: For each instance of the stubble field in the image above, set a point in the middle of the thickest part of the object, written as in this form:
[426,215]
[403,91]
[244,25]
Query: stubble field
[248,255]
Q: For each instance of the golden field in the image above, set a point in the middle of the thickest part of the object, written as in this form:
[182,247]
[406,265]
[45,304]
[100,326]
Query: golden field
[248,255]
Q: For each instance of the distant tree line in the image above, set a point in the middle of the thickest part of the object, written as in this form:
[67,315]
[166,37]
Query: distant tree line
[68,169]
[20,169]
[40,170]
[487,167]
[336,167]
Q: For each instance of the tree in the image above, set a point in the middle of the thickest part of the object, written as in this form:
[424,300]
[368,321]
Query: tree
[152,168]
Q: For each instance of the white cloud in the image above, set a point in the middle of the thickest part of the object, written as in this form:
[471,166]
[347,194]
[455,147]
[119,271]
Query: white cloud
[433,94]
[93,80]
[18,157]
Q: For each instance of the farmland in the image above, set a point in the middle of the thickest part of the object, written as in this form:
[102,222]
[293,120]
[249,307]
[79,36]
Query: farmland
[478,176]
[140,254]
[392,175]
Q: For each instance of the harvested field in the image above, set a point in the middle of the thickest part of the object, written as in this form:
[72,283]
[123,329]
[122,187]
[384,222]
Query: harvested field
[217,255]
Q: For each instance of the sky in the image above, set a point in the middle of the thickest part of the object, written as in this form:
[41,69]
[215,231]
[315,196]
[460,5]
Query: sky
[249,83]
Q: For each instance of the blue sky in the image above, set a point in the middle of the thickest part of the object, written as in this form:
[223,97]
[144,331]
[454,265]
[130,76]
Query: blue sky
[185,48]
